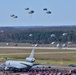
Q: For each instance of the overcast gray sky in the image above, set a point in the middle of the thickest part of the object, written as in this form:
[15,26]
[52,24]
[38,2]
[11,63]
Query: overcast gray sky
[63,12]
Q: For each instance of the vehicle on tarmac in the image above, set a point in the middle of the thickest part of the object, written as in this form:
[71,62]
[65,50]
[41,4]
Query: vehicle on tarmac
[72,65]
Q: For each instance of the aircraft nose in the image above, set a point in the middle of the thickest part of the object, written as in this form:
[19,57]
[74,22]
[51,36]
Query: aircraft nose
[2,66]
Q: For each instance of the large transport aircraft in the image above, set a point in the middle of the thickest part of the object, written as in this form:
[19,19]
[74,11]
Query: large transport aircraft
[15,66]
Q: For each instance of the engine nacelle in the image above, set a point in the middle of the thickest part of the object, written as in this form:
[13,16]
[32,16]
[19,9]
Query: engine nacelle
[30,59]
[6,68]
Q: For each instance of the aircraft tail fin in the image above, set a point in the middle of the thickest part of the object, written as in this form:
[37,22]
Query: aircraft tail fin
[31,57]
[32,54]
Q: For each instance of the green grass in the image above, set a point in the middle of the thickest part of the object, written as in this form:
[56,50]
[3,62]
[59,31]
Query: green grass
[55,62]
[51,58]
[59,59]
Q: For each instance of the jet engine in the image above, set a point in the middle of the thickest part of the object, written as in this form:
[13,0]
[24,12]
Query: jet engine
[30,59]
[6,68]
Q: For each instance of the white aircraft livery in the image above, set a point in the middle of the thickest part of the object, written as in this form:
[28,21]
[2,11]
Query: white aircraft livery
[20,65]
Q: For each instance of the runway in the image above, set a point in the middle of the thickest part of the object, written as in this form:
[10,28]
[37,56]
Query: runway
[44,69]
[12,47]
[61,50]
[55,66]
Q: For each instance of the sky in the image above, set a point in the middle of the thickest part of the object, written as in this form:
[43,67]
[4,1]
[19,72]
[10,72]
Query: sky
[63,12]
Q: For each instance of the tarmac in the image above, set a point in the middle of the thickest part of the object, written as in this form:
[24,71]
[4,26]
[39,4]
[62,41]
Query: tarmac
[43,67]
[13,47]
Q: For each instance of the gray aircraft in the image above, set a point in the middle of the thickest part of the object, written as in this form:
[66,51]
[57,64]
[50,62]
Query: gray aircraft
[20,65]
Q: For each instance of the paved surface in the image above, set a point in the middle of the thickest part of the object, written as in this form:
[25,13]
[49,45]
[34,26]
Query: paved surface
[52,66]
[10,47]
[54,48]
[55,66]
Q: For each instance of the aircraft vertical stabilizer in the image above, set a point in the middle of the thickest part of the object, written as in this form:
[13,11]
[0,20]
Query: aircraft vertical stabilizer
[31,57]
[32,54]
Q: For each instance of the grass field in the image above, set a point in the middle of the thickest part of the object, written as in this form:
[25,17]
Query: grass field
[59,56]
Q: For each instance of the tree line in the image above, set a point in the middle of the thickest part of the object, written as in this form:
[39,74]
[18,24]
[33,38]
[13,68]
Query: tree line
[40,36]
